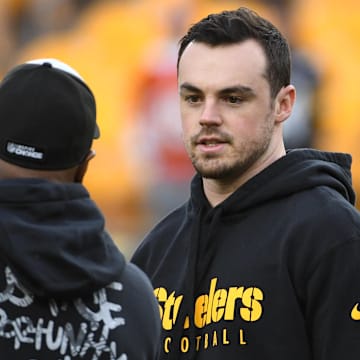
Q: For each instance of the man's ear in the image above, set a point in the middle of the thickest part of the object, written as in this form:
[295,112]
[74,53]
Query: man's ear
[82,168]
[284,103]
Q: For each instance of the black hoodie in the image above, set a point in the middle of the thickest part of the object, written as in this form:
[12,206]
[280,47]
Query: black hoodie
[66,291]
[273,272]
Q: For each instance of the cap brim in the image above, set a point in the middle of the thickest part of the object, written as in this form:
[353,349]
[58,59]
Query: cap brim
[96,132]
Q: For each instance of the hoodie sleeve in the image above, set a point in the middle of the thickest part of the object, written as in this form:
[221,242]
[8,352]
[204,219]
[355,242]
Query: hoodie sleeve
[143,331]
[333,306]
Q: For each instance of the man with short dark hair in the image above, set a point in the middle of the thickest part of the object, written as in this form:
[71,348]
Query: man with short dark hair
[263,261]
[66,291]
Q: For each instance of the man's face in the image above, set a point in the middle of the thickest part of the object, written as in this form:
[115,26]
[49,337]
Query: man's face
[226,108]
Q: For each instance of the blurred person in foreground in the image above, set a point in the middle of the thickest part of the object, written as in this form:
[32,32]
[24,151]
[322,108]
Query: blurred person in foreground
[263,261]
[66,291]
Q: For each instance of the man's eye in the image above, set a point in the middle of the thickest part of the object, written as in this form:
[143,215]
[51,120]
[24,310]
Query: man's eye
[192,99]
[234,99]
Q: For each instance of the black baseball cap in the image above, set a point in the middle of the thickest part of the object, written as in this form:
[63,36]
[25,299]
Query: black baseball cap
[47,116]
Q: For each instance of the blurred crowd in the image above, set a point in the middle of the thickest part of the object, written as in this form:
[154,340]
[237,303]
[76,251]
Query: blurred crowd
[126,50]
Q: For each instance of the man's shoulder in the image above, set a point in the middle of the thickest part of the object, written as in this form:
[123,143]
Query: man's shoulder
[326,205]
[324,215]
[136,280]
[167,225]
[155,244]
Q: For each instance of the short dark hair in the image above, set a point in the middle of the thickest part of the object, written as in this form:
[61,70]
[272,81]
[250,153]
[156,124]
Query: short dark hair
[234,26]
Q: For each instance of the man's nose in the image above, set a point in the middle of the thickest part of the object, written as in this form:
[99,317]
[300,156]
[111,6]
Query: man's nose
[210,115]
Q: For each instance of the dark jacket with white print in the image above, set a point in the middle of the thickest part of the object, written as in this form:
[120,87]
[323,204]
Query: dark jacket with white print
[66,291]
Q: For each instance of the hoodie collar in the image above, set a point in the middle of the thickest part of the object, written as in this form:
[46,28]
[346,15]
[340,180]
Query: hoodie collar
[53,238]
[299,170]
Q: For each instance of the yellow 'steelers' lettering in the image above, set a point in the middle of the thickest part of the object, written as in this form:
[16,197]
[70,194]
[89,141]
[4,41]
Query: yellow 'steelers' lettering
[201,306]
[211,300]
[234,293]
[210,308]
[161,295]
[170,309]
[253,309]
[219,303]
[186,322]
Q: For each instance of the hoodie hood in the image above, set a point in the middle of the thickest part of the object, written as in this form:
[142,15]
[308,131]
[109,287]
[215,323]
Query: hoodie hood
[299,170]
[53,238]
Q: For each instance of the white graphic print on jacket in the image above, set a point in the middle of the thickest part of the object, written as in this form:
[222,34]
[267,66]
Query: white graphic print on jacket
[90,333]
